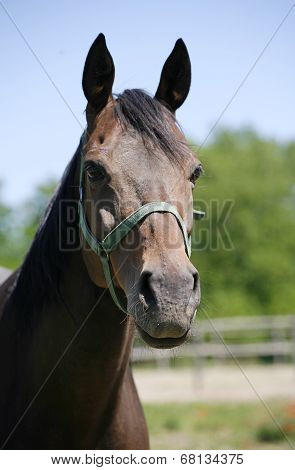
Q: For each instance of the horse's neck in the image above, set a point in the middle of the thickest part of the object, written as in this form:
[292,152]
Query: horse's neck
[83,344]
[98,336]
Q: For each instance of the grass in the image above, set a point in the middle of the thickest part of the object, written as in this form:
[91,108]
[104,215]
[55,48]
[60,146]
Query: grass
[220,426]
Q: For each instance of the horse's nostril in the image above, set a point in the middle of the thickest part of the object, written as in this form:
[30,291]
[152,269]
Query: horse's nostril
[152,286]
[144,279]
[196,280]
[145,287]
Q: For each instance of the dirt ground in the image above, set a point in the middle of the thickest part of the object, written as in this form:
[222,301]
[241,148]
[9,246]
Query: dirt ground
[216,383]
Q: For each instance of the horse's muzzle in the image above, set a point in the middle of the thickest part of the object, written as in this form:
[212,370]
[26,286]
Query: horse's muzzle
[162,343]
[167,305]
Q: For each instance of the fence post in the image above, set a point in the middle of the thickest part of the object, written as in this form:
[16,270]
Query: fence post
[198,362]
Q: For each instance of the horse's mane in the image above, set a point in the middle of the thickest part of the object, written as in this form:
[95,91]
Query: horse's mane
[39,275]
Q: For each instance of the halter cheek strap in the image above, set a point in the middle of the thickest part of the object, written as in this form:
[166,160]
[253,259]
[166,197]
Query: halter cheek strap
[104,247]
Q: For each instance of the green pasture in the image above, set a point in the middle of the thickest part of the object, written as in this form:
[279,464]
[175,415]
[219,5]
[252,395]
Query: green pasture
[220,426]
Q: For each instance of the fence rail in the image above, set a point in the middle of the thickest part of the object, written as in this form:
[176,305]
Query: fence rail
[244,337]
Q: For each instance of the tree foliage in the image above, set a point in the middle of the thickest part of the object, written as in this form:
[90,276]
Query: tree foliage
[18,225]
[248,265]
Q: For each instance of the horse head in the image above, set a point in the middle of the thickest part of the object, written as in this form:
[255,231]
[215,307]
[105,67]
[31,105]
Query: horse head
[135,154]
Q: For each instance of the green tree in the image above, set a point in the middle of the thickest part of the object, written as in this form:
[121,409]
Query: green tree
[18,226]
[5,233]
[256,275]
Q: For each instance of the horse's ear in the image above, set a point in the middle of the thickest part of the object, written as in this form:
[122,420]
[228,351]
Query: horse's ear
[175,78]
[98,74]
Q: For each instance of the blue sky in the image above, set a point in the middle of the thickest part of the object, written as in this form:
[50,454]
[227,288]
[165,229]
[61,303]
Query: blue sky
[38,132]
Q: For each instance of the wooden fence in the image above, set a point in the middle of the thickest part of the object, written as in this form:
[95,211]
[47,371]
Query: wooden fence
[223,338]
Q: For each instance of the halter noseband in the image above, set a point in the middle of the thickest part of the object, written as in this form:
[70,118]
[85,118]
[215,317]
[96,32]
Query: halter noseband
[103,247]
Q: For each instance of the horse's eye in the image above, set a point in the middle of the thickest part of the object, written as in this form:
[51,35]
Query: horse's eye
[196,174]
[95,171]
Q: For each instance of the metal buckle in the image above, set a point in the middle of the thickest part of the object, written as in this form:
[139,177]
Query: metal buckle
[198,214]
[81,194]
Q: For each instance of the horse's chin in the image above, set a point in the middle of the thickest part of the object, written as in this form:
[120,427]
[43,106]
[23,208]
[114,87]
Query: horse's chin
[161,343]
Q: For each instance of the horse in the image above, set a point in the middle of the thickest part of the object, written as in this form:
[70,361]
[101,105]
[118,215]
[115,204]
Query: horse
[69,313]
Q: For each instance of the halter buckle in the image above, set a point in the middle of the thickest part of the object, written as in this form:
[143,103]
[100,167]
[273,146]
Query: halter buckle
[198,214]
[81,194]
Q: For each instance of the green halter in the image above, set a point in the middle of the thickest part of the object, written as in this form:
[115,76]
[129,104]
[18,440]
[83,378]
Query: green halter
[109,243]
